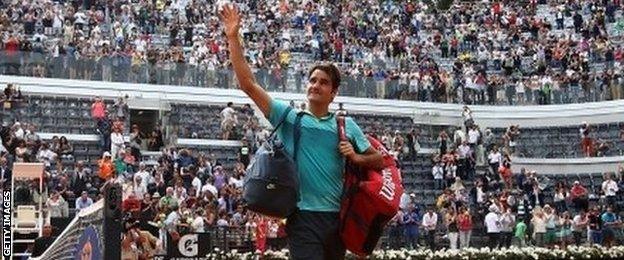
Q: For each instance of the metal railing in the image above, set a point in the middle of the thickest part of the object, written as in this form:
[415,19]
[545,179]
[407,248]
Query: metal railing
[123,68]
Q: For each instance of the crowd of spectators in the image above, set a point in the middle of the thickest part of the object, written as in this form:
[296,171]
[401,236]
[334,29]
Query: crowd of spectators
[477,52]
[183,191]
[481,195]
[188,191]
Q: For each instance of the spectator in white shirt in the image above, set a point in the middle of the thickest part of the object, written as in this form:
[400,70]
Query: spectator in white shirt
[473,136]
[19,132]
[463,150]
[228,120]
[45,155]
[210,188]
[146,176]
[198,223]
[579,225]
[507,224]
[494,159]
[117,143]
[438,174]
[430,222]
[196,183]
[173,218]
[492,224]
[138,187]
[459,137]
[610,189]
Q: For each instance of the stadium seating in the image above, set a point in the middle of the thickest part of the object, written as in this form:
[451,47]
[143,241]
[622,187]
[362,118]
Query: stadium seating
[202,120]
[564,142]
[54,114]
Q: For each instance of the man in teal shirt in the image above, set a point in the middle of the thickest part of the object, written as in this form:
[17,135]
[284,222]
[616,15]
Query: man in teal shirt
[313,229]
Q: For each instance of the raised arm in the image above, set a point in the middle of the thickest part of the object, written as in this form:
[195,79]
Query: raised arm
[231,22]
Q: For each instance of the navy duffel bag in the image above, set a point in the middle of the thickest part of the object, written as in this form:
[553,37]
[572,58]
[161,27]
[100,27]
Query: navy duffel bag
[271,183]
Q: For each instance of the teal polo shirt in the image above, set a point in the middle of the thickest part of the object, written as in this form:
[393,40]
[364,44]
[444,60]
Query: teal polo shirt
[319,162]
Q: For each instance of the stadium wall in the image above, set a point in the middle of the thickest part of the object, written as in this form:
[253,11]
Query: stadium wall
[422,112]
[567,165]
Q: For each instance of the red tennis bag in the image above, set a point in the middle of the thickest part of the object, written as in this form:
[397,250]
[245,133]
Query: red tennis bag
[370,199]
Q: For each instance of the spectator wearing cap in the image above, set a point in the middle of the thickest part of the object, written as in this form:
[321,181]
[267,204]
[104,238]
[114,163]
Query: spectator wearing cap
[411,221]
[106,167]
[493,227]
[84,201]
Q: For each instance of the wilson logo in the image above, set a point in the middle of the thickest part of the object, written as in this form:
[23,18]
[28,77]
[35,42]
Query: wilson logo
[387,189]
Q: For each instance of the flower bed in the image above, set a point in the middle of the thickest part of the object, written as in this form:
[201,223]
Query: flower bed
[571,252]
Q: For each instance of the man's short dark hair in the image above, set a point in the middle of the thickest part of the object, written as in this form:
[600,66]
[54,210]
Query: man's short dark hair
[229,104]
[331,70]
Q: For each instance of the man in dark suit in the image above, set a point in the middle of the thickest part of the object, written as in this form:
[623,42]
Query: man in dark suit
[42,243]
[80,178]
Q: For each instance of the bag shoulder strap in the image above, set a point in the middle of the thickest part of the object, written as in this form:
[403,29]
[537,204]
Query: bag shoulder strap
[282,119]
[297,134]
